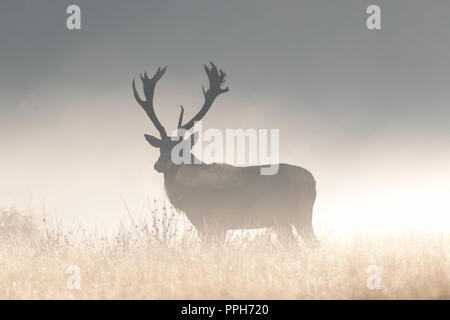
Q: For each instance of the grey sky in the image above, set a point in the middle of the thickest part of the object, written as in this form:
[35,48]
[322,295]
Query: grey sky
[317,52]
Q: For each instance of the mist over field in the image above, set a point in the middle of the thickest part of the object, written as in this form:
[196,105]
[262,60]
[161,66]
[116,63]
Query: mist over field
[154,259]
[366,112]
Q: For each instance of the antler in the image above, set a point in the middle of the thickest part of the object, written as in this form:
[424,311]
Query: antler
[216,79]
[149,90]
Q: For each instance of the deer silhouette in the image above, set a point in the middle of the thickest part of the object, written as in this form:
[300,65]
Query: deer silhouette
[218,197]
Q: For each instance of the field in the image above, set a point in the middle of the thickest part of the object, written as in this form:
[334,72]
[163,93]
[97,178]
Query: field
[151,259]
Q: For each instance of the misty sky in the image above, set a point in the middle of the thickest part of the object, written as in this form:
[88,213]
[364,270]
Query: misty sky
[365,111]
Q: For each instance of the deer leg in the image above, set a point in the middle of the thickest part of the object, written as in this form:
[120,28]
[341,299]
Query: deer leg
[285,234]
[303,223]
[209,234]
[203,234]
[220,235]
[308,236]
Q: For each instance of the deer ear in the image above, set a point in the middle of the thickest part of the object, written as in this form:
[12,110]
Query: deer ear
[155,142]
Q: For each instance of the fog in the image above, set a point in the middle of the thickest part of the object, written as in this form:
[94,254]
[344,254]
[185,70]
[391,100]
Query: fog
[365,111]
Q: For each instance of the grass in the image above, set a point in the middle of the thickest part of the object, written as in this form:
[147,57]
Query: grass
[153,259]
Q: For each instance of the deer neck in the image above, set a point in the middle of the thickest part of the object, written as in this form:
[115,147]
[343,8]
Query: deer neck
[177,174]
[177,181]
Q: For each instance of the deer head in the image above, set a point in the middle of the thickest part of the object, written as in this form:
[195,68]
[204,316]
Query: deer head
[165,143]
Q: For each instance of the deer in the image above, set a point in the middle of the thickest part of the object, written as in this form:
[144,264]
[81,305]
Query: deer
[218,197]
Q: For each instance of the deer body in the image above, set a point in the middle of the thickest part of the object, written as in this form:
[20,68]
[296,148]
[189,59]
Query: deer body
[219,197]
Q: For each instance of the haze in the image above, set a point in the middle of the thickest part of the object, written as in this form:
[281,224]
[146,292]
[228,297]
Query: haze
[367,112]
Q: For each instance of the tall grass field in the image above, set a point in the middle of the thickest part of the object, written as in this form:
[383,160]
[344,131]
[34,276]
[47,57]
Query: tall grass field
[156,259]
